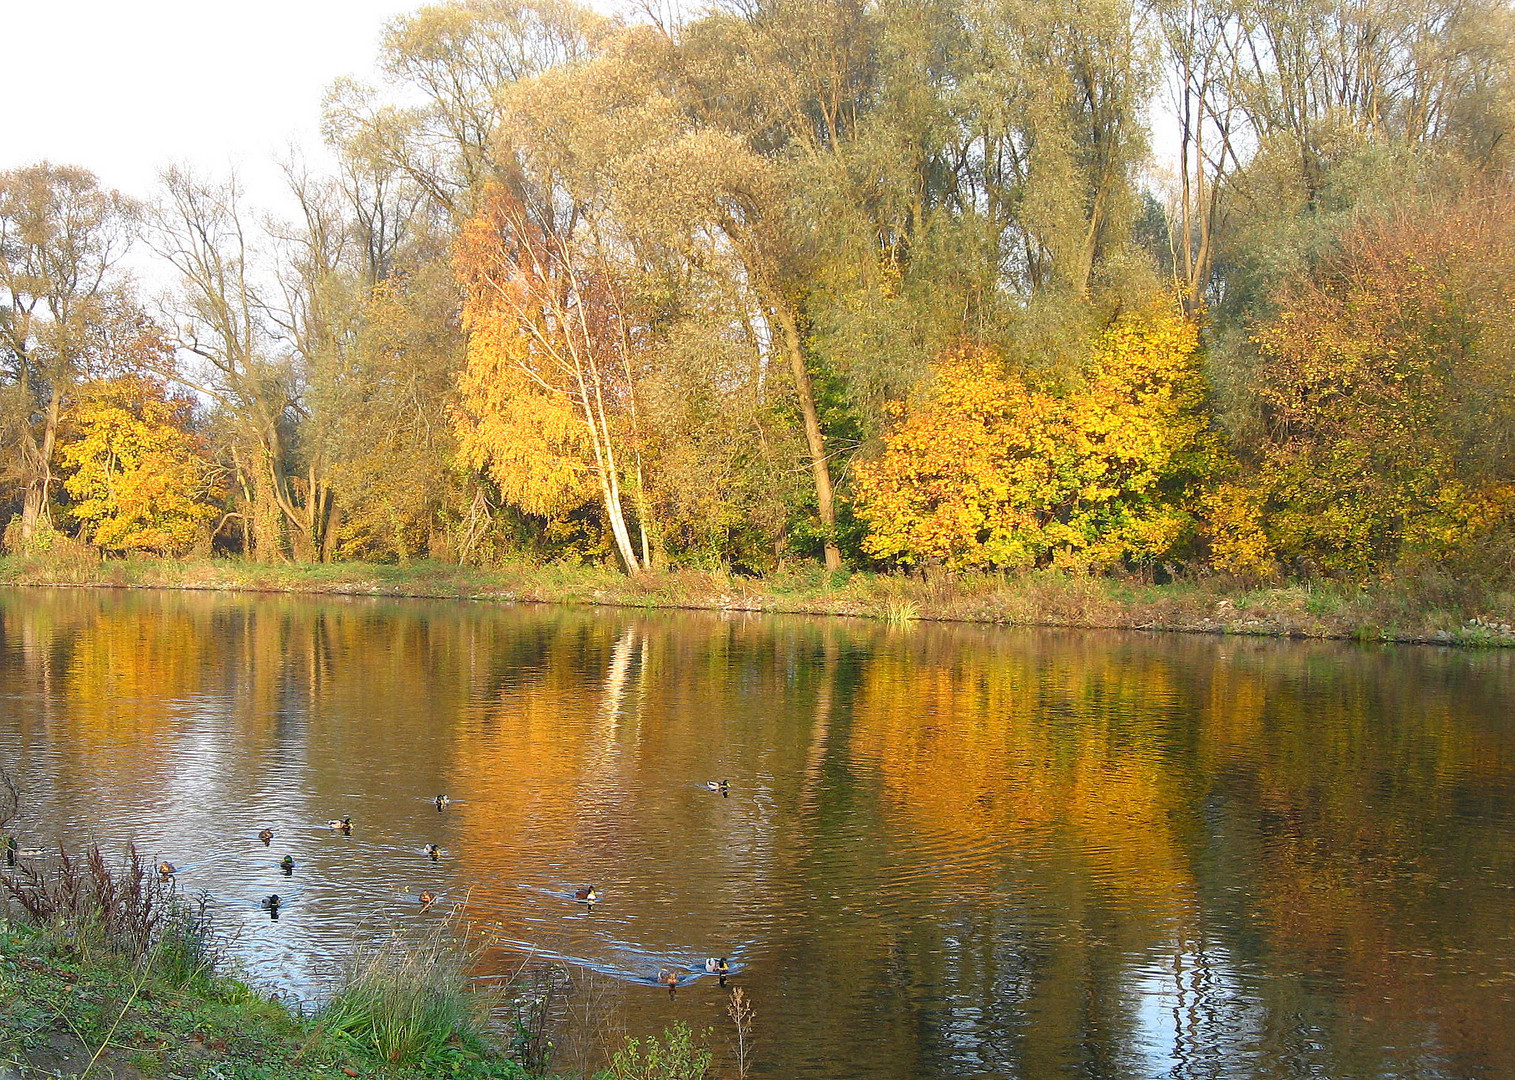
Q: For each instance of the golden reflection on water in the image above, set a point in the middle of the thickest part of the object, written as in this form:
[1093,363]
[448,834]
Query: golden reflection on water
[946,851]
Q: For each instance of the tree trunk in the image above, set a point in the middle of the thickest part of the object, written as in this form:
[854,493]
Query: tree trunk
[34,504]
[333,527]
[591,403]
[819,466]
[268,546]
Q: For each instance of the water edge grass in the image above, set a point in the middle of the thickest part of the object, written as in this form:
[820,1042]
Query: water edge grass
[1433,608]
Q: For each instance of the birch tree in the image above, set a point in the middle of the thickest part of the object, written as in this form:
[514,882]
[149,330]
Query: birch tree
[546,315]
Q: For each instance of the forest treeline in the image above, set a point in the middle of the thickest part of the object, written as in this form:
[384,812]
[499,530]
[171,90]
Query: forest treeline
[1131,286]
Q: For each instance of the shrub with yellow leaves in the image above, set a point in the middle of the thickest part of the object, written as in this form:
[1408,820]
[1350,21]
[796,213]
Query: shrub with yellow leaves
[989,471]
[141,480]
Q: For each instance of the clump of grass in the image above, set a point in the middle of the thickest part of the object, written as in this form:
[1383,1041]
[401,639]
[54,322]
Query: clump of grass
[901,612]
[411,1002]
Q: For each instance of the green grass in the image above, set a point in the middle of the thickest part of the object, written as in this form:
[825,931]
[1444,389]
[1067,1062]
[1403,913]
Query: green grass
[409,1003]
[66,1010]
[1433,609]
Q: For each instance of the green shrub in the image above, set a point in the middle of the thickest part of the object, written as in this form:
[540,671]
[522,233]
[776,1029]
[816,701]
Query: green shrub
[674,1057]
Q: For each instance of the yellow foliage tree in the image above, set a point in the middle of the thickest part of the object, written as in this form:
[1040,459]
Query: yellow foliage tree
[990,471]
[141,480]
[546,401]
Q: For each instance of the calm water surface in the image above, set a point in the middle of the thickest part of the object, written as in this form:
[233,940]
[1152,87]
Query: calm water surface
[947,851]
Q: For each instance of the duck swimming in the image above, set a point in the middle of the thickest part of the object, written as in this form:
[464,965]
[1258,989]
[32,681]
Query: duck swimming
[718,966]
[287,864]
[670,977]
[345,824]
[433,852]
[267,836]
[270,904]
[427,899]
[718,785]
[441,801]
[587,896]
[167,869]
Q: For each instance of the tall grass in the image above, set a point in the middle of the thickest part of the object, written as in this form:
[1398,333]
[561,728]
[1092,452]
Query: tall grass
[410,1001]
[86,903]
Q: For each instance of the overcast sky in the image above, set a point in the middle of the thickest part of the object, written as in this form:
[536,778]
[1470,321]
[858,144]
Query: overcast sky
[125,87]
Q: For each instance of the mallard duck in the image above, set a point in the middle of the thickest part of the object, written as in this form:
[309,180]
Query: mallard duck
[270,904]
[433,852]
[427,899]
[267,836]
[287,864]
[670,977]
[345,824]
[717,966]
[167,869]
[717,785]
[441,801]
[588,896]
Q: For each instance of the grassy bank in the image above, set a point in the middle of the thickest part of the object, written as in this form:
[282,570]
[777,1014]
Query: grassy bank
[106,971]
[1433,609]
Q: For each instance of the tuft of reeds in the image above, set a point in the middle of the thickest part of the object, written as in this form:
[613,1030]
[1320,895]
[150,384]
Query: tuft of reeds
[901,612]
[411,1001]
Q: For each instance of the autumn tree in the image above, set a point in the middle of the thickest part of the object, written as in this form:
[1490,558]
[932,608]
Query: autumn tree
[547,400]
[393,450]
[990,470]
[140,477]
[61,234]
[436,124]
[201,229]
[1389,404]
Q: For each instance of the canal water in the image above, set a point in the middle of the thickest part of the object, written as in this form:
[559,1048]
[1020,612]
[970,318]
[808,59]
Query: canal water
[942,851]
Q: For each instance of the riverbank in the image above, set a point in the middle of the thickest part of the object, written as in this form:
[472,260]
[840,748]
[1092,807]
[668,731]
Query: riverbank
[1435,610]
[67,1011]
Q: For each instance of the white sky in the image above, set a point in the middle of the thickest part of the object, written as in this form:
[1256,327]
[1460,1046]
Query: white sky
[126,87]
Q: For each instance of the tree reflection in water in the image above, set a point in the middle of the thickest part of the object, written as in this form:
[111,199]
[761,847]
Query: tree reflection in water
[947,851]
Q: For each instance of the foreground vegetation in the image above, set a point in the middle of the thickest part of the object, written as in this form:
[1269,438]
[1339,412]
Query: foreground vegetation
[1434,608]
[106,971]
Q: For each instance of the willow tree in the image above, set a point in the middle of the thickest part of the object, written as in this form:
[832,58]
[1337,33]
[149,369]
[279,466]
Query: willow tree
[447,65]
[201,230]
